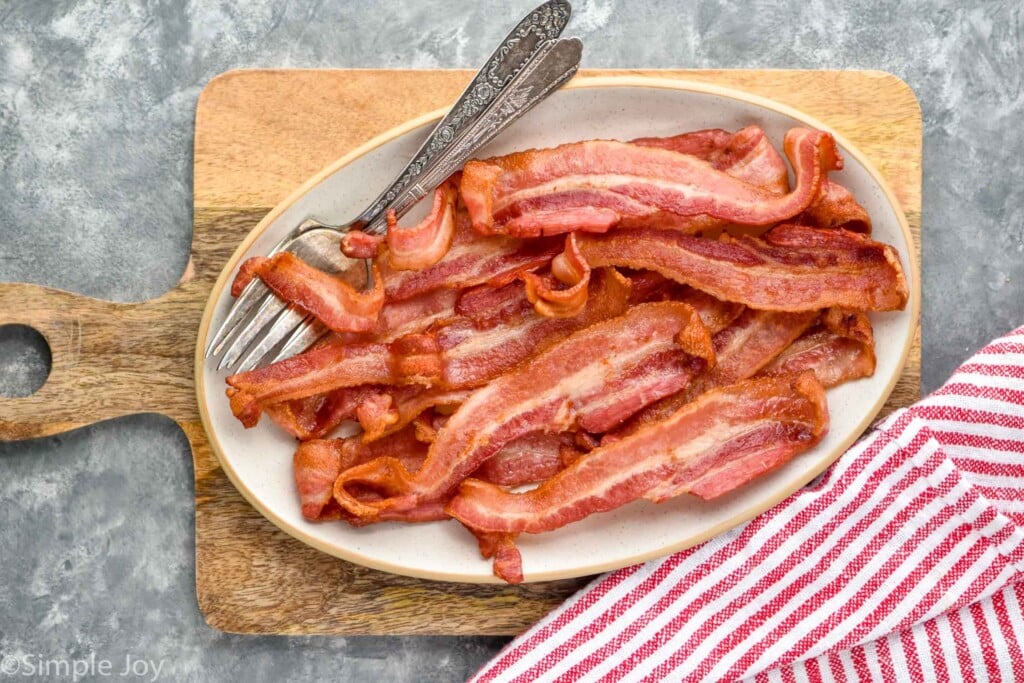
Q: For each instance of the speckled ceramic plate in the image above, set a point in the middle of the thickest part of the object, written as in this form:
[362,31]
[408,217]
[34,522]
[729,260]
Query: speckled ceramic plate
[258,461]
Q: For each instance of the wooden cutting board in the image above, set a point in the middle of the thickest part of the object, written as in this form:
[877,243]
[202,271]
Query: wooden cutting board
[259,134]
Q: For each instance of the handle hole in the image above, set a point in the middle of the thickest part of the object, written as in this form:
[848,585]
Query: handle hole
[24,361]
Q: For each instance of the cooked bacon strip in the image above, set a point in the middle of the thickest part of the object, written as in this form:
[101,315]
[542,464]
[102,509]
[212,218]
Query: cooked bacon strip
[411,248]
[333,301]
[703,144]
[835,207]
[749,344]
[427,424]
[529,459]
[839,350]
[404,405]
[487,306]
[411,360]
[573,270]
[650,286]
[316,416]
[569,268]
[318,463]
[789,268]
[508,563]
[359,244]
[455,356]
[402,444]
[417,314]
[376,410]
[849,323]
[472,357]
[315,466]
[716,314]
[426,243]
[748,155]
[585,185]
[752,158]
[566,386]
[471,260]
[742,349]
[662,375]
[710,447]
[647,286]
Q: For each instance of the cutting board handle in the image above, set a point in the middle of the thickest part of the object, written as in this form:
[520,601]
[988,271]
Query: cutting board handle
[108,359]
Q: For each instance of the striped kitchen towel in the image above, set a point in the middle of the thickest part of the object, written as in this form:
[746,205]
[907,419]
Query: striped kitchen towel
[902,563]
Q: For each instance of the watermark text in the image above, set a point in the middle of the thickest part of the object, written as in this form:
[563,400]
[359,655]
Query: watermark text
[36,665]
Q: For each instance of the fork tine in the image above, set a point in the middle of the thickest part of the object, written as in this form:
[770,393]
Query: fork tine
[304,336]
[250,330]
[254,294]
[282,327]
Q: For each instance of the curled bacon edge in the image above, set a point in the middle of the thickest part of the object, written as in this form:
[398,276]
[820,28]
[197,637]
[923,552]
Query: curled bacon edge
[335,302]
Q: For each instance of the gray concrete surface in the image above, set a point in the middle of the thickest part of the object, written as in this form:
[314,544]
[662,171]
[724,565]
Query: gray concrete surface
[96,110]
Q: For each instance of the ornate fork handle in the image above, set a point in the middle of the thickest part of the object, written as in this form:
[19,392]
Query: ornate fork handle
[533,35]
[543,75]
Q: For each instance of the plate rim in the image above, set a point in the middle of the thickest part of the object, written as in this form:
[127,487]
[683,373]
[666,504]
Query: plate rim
[588,82]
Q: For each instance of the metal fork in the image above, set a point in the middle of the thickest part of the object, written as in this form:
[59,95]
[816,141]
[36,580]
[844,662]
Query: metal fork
[530,64]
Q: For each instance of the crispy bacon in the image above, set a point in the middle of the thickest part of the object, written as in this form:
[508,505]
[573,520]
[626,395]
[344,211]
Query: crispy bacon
[404,405]
[455,356]
[417,314]
[742,349]
[842,348]
[471,260]
[529,459]
[649,352]
[710,447]
[336,303]
[647,286]
[426,243]
[835,207]
[568,268]
[483,360]
[573,270]
[358,244]
[591,186]
[330,367]
[748,155]
[715,313]
[749,344]
[316,416]
[703,144]
[428,423]
[789,268]
[317,464]
[752,158]
[411,248]
[472,356]
[487,306]
[849,323]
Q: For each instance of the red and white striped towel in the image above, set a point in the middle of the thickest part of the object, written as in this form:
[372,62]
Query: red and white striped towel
[903,562]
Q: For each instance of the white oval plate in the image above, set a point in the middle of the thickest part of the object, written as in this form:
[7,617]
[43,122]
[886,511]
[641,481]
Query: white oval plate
[259,461]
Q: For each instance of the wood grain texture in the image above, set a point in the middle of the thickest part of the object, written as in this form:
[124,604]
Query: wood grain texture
[259,134]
